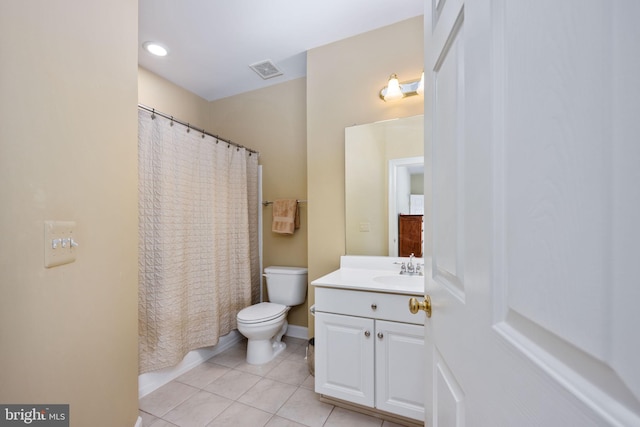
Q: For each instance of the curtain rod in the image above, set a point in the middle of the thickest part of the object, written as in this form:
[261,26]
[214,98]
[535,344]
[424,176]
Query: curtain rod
[188,125]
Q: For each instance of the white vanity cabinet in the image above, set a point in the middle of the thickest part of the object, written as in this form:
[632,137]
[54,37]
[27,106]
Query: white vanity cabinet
[369,350]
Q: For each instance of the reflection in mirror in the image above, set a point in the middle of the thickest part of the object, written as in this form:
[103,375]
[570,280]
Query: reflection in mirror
[384,187]
[406,225]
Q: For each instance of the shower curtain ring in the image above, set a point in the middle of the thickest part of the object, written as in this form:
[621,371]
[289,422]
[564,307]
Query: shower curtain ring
[171,124]
[153,114]
[188,128]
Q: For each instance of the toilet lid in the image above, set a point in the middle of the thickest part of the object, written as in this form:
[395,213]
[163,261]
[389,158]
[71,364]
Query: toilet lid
[261,312]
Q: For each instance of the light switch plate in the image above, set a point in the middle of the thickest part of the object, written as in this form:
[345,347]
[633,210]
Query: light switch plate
[365,226]
[59,243]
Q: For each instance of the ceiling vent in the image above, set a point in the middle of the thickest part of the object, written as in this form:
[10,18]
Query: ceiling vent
[266,69]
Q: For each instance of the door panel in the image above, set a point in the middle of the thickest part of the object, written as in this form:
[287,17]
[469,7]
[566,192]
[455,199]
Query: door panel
[556,235]
[554,191]
[449,402]
[625,204]
[448,181]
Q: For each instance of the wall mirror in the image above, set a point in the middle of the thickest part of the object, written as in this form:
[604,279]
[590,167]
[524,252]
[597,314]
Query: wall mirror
[385,187]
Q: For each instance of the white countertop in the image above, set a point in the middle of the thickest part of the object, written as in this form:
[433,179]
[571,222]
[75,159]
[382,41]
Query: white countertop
[376,274]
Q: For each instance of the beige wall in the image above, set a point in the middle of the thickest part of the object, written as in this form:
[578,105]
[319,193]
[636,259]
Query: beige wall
[68,334]
[343,80]
[273,121]
[166,97]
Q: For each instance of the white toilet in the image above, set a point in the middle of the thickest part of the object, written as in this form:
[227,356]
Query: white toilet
[265,323]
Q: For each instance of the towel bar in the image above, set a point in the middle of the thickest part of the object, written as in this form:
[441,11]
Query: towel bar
[270,203]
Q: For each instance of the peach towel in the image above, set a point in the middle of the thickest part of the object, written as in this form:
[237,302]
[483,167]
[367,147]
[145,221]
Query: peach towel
[286,218]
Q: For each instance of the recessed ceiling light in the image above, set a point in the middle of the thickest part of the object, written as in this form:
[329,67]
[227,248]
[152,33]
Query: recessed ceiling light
[155,48]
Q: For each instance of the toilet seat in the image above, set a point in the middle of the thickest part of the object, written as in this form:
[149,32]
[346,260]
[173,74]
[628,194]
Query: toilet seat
[262,312]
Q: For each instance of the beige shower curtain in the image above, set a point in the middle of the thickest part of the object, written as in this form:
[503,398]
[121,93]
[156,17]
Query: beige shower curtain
[198,239]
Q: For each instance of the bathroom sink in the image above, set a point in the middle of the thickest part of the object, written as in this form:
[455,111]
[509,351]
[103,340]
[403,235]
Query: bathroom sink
[376,274]
[399,280]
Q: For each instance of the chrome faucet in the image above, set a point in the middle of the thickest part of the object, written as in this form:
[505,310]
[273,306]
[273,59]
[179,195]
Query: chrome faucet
[410,266]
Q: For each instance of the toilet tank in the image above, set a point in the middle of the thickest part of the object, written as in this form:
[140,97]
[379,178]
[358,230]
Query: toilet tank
[286,285]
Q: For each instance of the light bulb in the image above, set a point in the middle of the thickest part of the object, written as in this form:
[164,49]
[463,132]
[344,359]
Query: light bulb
[393,92]
[155,49]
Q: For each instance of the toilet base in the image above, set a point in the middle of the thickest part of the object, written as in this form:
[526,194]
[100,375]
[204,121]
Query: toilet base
[260,352]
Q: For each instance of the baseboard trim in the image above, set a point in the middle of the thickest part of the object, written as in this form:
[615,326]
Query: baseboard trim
[152,381]
[372,412]
[295,331]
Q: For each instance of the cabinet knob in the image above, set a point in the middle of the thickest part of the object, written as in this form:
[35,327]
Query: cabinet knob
[380,335]
[415,305]
[374,306]
[367,334]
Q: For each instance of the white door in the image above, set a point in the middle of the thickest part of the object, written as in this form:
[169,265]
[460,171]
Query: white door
[533,117]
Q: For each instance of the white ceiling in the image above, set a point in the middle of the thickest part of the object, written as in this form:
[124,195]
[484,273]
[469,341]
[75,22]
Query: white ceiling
[211,43]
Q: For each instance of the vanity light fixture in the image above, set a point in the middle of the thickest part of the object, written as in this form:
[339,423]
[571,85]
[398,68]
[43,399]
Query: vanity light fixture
[394,90]
[155,48]
[420,89]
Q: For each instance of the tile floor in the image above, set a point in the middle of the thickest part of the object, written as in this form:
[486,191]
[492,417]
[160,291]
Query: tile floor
[225,391]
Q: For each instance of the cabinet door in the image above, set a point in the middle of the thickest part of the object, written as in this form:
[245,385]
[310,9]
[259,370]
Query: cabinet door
[344,357]
[400,369]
